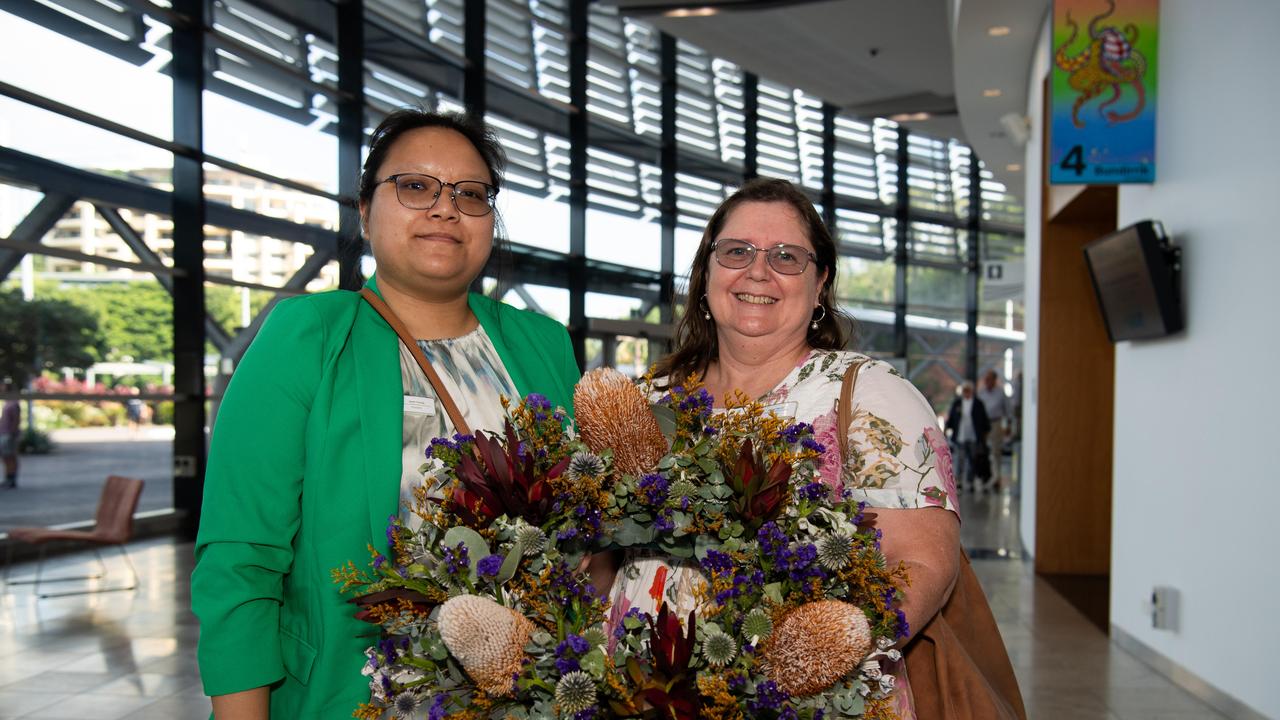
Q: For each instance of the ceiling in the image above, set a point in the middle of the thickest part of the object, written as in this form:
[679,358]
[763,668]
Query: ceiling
[882,58]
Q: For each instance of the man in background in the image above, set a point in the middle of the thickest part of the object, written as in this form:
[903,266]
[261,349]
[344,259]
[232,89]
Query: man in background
[967,427]
[10,432]
[996,403]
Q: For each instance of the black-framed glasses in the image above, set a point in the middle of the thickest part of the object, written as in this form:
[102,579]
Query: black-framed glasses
[783,258]
[421,192]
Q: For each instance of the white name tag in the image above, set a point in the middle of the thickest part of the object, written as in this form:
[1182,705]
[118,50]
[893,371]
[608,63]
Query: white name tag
[419,405]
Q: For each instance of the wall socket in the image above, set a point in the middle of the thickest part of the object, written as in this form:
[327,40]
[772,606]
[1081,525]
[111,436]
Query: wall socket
[1164,608]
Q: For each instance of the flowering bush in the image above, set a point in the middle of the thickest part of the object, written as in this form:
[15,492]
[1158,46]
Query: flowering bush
[485,613]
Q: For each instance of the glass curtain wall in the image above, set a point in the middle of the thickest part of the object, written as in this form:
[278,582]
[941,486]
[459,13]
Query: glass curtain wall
[86,197]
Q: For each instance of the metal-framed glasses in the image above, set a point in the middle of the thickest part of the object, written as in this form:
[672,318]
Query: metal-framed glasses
[421,192]
[783,258]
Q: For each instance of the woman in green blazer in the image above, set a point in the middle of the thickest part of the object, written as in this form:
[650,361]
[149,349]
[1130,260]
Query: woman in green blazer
[306,458]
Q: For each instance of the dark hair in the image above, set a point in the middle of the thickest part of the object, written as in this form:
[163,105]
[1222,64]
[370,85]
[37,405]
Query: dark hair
[696,344]
[384,137]
[402,121]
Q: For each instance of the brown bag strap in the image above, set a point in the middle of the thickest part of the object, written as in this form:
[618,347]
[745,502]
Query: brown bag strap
[450,407]
[844,411]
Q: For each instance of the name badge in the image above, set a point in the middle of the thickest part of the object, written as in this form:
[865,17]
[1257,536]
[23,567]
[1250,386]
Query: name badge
[419,405]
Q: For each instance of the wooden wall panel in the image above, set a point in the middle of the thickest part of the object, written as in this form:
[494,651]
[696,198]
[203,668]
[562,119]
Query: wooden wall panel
[1076,392]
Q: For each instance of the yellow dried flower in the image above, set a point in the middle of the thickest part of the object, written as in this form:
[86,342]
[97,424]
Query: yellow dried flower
[613,414]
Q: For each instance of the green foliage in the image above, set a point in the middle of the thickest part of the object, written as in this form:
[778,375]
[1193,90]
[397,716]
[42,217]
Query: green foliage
[136,318]
[51,331]
[35,442]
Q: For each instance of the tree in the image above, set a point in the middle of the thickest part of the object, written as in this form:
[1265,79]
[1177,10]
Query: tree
[136,318]
[43,334]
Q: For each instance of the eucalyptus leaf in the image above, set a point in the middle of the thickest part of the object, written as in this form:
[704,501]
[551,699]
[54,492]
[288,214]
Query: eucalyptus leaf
[593,663]
[773,591]
[707,465]
[477,547]
[510,564]
[666,418]
[631,533]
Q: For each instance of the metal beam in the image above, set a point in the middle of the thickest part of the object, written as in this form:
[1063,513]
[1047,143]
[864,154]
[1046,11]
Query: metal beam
[902,255]
[350,44]
[751,124]
[578,129]
[22,169]
[669,165]
[33,228]
[474,77]
[973,268]
[189,217]
[829,167]
[217,335]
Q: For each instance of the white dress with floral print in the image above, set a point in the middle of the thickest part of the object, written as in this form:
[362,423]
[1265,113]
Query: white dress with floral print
[898,458]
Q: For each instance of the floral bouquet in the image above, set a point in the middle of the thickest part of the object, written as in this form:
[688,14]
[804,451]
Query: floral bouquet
[485,613]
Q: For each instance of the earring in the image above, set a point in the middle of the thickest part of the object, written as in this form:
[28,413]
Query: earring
[706,308]
[814,325]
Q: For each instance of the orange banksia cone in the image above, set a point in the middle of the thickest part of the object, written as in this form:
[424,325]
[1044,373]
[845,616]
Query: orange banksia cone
[815,645]
[613,414]
[488,639]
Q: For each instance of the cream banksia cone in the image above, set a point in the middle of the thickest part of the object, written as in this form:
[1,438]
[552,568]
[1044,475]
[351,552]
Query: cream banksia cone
[488,639]
[613,414]
[815,645]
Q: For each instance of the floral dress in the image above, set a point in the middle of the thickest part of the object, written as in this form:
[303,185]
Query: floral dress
[898,458]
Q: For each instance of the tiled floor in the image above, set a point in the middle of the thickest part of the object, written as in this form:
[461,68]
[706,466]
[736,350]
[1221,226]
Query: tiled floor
[132,654]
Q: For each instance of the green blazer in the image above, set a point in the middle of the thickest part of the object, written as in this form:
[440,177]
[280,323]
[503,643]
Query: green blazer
[304,472]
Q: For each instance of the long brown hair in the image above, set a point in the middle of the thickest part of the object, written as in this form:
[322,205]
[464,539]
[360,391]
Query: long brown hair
[696,344]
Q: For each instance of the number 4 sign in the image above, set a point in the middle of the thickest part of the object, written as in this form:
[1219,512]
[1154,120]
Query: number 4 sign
[1102,92]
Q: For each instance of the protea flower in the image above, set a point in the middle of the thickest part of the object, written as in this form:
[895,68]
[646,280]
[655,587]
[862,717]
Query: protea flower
[759,493]
[500,480]
[613,414]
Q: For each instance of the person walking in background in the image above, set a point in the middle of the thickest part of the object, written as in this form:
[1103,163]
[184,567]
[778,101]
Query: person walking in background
[999,411]
[10,436]
[967,425]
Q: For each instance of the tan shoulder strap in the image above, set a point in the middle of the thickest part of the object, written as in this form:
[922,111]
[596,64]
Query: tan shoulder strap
[450,407]
[844,411]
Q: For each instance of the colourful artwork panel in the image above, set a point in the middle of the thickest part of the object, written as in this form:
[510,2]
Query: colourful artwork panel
[1103,91]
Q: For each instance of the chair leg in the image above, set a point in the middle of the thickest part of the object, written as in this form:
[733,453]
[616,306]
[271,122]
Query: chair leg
[91,591]
[39,578]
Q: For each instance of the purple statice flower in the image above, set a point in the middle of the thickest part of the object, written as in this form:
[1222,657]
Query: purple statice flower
[788,713]
[537,401]
[567,534]
[904,629]
[489,566]
[814,445]
[393,525]
[768,697]
[736,681]
[379,560]
[814,491]
[437,711]
[455,558]
[717,562]
[653,489]
[791,434]
[588,714]
[568,652]
[663,521]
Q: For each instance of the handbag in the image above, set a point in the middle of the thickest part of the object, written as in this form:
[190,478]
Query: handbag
[957,664]
[450,407]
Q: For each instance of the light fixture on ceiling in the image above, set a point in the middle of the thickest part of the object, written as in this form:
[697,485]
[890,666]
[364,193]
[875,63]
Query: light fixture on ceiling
[998,30]
[1018,127]
[910,117]
[1013,167]
[992,92]
[691,12]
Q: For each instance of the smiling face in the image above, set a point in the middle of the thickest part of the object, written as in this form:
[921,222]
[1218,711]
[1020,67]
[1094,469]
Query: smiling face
[757,301]
[436,253]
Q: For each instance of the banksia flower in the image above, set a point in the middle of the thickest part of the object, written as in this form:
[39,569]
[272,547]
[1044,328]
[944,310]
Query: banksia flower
[613,413]
[833,551]
[815,645]
[575,692]
[488,640]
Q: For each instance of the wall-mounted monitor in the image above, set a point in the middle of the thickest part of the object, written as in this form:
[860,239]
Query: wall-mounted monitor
[1137,276]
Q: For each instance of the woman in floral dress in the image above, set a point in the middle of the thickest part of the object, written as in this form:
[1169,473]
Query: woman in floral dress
[762,321]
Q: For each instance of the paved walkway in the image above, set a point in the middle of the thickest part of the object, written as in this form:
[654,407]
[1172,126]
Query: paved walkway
[64,486]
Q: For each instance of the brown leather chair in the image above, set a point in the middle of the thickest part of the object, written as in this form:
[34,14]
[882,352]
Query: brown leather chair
[114,526]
